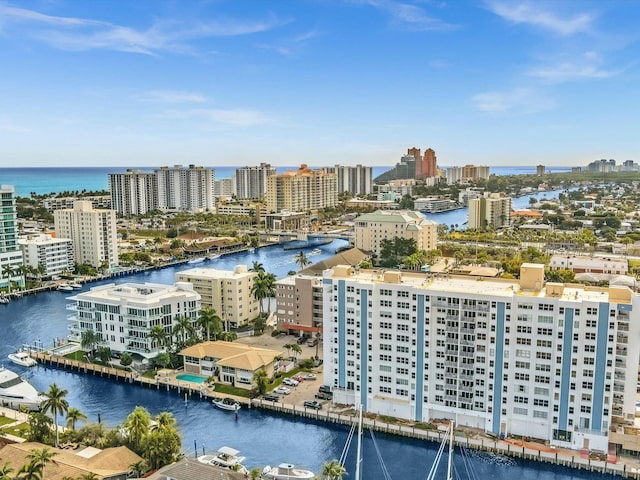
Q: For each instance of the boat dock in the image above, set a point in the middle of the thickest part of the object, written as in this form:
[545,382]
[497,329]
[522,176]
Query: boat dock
[166,379]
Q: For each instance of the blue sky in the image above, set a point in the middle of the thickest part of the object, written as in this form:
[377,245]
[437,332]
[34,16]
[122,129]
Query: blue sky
[237,82]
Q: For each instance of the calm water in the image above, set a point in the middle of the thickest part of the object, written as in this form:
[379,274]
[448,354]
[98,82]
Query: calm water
[264,438]
[47,180]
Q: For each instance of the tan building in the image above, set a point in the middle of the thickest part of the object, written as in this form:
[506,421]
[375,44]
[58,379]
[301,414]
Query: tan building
[92,231]
[468,173]
[286,220]
[230,363]
[299,304]
[372,228]
[490,211]
[227,292]
[108,464]
[302,190]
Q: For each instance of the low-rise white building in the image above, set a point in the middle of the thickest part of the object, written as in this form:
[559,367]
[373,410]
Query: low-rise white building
[583,264]
[54,255]
[124,315]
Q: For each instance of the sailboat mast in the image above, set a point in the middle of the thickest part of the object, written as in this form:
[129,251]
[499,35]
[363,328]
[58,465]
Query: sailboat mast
[449,464]
[358,475]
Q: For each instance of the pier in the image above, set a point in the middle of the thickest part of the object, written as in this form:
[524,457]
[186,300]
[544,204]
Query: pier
[517,449]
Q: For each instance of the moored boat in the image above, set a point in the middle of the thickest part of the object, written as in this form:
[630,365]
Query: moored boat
[226,457]
[286,471]
[65,287]
[15,392]
[196,260]
[226,403]
[75,285]
[214,256]
[23,359]
[315,251]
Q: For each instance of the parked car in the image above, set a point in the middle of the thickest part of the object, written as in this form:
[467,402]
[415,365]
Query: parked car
[310,376]
[324,396]
[272,397]
[290,381]
[317,362]
[324,388]
[301,340]
[282,391]
[298,378]
[312,404]
[313,342]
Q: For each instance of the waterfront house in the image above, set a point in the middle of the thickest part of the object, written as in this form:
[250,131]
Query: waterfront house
[108,464]
[230,363]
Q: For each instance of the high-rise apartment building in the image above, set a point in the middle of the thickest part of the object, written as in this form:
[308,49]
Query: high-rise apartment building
[429,164]
[93,233]
[299,304]
[188,189]
[53,255]
[225,187]
[511,357]
[133,192]
[227,292]
[490,211]
[372,228]
[251,182]
[467,173]
[10,254]
[124,315]
[301,190]
[356,180]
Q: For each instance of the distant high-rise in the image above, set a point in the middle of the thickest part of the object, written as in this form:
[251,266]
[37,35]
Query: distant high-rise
[429,164]
[468,173]
[133,192]
[490,211]
[93,232]
[540,170]
[10,253]
[301,190]
[251,182]
[413,165]
[225,187]
[188,189]
[357,180]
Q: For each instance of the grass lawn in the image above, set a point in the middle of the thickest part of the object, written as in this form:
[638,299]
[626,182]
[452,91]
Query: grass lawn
[5,421]
[21,430]
[229,390]
[77,355]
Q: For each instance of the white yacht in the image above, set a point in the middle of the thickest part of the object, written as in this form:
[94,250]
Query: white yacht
[196,260]
[23,359]
[16,392]
[286,471]
[226,457]
[65,287]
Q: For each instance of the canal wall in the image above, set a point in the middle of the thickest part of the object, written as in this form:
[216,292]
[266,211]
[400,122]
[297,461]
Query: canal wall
[523,450]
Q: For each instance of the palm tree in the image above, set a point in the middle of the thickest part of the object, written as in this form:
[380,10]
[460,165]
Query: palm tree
[41,458]
[137,424]
[296,349]
[259,289]
[183,329]
[210,321]
[5,472]
[333,470]
[30,471]
[89,339]
[55,403]
[89,476]
[7,271]
[302,260]
[73,416]
[138,469]
[158,335]
[261,379]
[257,267]
[288,347]
[165,420]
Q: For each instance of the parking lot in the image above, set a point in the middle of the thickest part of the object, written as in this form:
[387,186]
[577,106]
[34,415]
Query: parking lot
[307,389]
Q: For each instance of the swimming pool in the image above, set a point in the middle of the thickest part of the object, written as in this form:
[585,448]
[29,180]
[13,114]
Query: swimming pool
[187,377]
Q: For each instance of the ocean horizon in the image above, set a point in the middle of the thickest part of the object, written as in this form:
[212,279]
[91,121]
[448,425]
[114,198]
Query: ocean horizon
[44,180]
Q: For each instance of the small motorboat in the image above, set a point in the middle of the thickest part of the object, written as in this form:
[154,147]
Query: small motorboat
[65,287]
[196,260]
[251,250]
[75,285]
[286,471]
[227,403]
[214,256]
[226,457]
[4,300]
[315,251]
[23,359]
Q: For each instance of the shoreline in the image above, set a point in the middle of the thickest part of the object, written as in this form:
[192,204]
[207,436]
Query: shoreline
[525,450]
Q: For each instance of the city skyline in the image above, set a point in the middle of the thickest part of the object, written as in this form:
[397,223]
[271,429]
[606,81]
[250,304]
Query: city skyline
[346,82]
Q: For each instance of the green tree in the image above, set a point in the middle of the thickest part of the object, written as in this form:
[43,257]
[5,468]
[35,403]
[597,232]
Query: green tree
[296,349]
[302,260]
[41,458]
[257,267]
[57,404]
[158,336]
[183,329]
[39,428]
[126,359]
[333,470]
[161,447]
[261,380]
[74,416]
[210,322]
[89,339]
[5,472]
[263,287]
[138,469]
[137,426]
[30,471]
[7,271]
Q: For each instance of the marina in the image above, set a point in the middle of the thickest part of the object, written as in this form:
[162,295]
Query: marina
[310,440]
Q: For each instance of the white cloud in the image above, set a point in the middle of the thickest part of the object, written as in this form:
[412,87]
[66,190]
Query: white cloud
[170,96]
[408,15]
[292,45]
[80,34]
[533,13]
[582,67]
[230,117]
[518,100]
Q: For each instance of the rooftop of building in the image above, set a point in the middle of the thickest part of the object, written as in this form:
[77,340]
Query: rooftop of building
[530,285]
[139,293]
[234,355]
[239,271]
[395,216]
